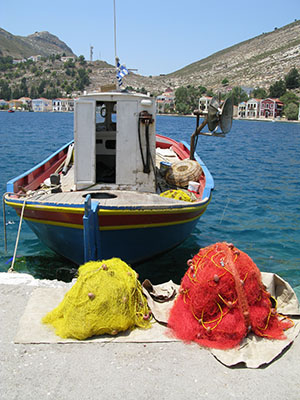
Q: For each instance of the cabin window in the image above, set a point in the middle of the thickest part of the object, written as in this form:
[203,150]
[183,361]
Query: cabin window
[110,144]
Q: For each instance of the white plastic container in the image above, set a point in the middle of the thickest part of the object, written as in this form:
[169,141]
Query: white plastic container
[194,187]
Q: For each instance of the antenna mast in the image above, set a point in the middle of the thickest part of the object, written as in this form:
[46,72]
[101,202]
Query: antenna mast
[115,38]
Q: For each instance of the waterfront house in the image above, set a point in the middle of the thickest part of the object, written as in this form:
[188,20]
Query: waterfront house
[160,104]
[271,108]
[3,103]
[41,105]
[26,101]
[242,110]
[253,108]
[166,101]
[15,105]
[63,105]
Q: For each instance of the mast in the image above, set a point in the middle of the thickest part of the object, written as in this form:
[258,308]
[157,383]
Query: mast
[115,40]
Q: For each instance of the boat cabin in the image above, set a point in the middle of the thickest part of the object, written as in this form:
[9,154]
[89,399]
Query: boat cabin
[114,136]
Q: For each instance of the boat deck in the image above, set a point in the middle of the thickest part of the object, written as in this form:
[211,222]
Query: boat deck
[124,198]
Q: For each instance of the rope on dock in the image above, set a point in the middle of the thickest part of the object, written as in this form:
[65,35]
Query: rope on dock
[11,268]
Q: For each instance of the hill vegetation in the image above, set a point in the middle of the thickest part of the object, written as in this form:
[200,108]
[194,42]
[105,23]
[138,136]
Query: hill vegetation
[49,77]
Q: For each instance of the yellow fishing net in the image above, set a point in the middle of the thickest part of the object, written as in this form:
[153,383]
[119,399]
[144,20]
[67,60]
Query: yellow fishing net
[106,298]
[177,194]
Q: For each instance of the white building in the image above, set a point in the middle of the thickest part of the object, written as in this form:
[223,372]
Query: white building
[67,58]
[34,58]
[242,109]
[252,108]
[63,105]
[41,105]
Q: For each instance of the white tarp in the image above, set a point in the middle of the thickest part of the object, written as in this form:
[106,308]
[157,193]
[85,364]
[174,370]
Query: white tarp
[253,351]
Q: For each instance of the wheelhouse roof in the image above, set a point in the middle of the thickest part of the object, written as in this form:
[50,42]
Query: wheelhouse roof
[113,96]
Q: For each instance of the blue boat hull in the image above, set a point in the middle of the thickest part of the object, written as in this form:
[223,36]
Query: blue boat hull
[140,244]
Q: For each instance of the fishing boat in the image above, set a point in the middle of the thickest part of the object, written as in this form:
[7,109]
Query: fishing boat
[118,189]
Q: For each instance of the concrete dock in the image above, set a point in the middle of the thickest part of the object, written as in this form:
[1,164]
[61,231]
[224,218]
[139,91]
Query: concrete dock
[172,370]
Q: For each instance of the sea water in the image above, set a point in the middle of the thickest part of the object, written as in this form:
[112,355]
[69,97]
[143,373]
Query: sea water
[255,204]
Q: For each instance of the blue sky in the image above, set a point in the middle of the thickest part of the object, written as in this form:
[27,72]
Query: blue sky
[158,36]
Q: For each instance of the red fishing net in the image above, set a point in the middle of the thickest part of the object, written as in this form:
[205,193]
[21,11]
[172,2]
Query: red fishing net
[222,298]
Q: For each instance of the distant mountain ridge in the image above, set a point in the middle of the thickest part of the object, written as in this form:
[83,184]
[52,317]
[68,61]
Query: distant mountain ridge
[39,43]
[256,62]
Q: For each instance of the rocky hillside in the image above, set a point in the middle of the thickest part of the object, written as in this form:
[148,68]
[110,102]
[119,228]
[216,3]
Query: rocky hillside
[257,62]
[39,43]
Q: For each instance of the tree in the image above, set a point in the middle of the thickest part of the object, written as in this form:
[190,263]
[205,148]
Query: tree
[187,98]
[23,88]
[291,105]
[277,89]
[259,93]
[82,79]
[181,99]
[69,64]
[210,93]
[81,60]
[167,108]
[34,94]
[70,72]
[289,97]
[6,63]
[16,94]
[291,111]
[202,89]
[69,88]
[41,87]
[292,79]
[225,82]
[52,93]
[239,95]
[5,91]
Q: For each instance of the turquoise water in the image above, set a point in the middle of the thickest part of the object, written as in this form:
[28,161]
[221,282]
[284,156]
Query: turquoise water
[255,204]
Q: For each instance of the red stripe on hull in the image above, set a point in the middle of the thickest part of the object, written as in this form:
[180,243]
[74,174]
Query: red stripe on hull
[112,219]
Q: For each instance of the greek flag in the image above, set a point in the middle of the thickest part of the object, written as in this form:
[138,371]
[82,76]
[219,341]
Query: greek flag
[121,72]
